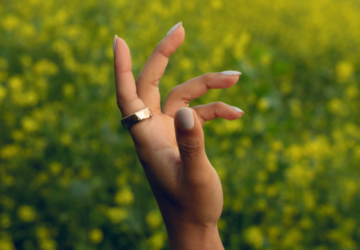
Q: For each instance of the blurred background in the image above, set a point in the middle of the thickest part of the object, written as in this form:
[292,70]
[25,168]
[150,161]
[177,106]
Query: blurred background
[69,175]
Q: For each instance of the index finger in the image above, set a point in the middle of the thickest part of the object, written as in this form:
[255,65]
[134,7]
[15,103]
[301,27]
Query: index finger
[127,98]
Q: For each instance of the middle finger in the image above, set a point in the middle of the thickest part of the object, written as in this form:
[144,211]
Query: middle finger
[148,80]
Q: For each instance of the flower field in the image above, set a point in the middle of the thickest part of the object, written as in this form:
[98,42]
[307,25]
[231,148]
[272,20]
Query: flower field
[290,167]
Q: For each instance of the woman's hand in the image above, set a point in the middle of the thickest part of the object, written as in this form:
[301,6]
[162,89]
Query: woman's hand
[170,144]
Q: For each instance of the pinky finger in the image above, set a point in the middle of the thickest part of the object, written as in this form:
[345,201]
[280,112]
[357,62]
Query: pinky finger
[210,111]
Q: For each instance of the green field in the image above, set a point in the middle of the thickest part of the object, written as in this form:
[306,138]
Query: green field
[290,167]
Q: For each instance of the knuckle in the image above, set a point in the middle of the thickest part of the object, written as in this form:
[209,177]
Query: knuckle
[207,78]
[197,107]
[173,90]
[219,104]
[190,147]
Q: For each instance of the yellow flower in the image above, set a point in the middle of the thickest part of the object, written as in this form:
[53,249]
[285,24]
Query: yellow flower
[5,221]
[65,139]
[309,200]
[241,44]
[286,87]
[42,232]
[294,152]
[237,205]
[265,59]
[26,60]
[292,238]
[85,173]
[124,196]
[216,4]
[28,30]
[229,127]
[254,236]
[69,90]
[300,175]
[9,151]
[2,93]
[271,162]
[273,232]
[259,124]
[61,17]
[246,141]
[6,244]
[351,92]
[29,124]
[26,213]
[154,219]
[10,22]
[344,70]
[306,223]
[48,244]
[336,106]
[17,135]
[186,63]
[296,108]
[55,168]
[15,83]
[3,76]
[45,67]
[263,104]
[218,56]
[96,235]
[116,214]
[157,241]
[3,63]
[272,190]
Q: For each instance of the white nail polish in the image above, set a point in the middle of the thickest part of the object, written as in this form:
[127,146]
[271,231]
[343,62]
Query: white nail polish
[237,109]
[231,72]
[174,28]
[186,118]
[114,44]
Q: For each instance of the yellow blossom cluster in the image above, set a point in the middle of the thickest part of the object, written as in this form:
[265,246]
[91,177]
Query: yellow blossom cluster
[69,176]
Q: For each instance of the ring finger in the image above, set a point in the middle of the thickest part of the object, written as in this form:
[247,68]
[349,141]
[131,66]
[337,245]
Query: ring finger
[181,95]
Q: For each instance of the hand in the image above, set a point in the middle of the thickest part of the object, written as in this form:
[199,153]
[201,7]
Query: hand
[185,184]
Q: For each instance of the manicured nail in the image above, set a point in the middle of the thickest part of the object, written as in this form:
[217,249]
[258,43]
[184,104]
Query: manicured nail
[186,118]
[237,109]
[114,44]
[231,72]
[174,28]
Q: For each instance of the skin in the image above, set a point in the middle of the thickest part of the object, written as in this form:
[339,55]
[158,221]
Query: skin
[185,184]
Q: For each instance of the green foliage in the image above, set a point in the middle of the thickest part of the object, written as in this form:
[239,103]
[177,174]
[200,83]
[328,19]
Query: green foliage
[69,175]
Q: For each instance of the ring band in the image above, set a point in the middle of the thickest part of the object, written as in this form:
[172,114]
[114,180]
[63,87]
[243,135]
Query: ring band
[136,117]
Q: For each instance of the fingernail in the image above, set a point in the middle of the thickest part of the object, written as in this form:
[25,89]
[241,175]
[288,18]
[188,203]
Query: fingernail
[114,44]
[231,72]
[174,28]
[237,109]
[186,118]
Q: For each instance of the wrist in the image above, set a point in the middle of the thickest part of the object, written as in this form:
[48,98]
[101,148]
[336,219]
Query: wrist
[188,237]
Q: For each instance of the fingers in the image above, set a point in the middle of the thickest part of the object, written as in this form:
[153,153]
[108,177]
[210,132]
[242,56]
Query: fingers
[183,94]
[148,81]
[127,98]
[210,111]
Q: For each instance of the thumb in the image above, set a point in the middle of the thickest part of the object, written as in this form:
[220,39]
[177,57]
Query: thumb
[190,140]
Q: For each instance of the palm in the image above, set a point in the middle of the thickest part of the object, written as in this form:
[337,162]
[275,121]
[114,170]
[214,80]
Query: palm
[163,169]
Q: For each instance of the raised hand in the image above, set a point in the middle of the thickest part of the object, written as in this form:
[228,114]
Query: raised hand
[170,144]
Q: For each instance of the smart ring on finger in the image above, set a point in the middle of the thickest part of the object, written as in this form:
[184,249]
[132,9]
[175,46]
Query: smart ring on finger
[136,117]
